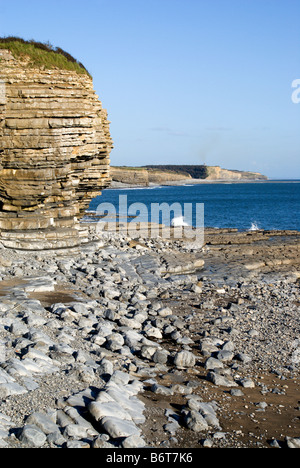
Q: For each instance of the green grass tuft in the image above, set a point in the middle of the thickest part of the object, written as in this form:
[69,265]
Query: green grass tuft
[42,55]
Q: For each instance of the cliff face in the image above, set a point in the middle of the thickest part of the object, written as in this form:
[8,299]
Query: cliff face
[134,176]
[147,175]
[216,172]
[54,154]
[143,176]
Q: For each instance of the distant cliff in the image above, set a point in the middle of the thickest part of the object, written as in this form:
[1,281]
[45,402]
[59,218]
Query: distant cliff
[208,172]
[196,172]
[147,175]
[216,173]
[144,176]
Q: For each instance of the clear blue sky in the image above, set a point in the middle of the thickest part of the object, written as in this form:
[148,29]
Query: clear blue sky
[184,81]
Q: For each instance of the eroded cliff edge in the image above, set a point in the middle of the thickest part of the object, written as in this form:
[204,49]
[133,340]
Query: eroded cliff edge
[177,174]
[54,154]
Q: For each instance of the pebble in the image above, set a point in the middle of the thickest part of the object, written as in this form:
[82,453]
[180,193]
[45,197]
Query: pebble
[221,380]
[44,422]
[293,442]
[247,383]
[213,363]
[162,390]
[195,421]
[225,355]
[184,359]
[208,443]
[236,392]
[118,427]
[33,436]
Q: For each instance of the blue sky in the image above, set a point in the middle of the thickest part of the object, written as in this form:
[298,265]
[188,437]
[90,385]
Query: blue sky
[184,81]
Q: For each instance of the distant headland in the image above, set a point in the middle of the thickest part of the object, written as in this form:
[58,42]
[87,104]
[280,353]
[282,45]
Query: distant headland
[177,174]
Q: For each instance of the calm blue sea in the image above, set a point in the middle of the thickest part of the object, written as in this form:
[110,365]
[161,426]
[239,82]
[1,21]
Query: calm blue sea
[263,205]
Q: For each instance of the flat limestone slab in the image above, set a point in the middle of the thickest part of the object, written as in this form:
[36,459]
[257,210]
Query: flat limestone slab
[118,428]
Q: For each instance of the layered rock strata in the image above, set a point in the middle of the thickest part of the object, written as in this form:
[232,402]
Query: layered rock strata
[55,147]
[144,177]
[217,173]
[164,175]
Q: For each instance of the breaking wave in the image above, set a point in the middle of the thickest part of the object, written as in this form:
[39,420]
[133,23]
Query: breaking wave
[254,226]
[179,221]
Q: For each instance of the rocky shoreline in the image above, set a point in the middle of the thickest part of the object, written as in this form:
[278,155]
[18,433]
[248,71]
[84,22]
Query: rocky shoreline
[123,185]
[126,343]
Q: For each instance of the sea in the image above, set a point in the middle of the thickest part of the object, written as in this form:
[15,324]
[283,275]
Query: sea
[266,205]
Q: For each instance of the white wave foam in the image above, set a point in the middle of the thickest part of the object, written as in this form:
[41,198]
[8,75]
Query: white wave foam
[254,226]
[179,221]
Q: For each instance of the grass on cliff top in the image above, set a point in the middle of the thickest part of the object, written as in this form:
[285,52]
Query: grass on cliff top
[42,55]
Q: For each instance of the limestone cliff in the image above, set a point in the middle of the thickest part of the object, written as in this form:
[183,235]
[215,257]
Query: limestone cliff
[217,173]
[130,176]
[207,172]
[144,177]
[54,154]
